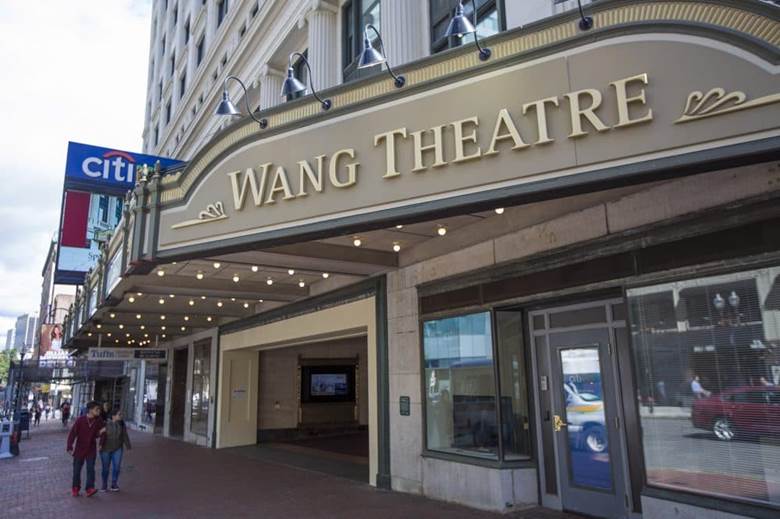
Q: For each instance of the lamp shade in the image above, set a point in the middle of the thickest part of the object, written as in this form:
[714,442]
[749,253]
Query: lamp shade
[369,56]
[459,25]
[291,85]
[226,106]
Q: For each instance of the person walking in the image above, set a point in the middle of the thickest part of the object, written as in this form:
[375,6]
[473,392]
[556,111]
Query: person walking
[37,413]
[46,411]
[112,445]
[65,413]
[85,432]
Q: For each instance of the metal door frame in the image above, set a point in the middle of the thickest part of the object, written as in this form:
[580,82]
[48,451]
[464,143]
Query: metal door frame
[556,500]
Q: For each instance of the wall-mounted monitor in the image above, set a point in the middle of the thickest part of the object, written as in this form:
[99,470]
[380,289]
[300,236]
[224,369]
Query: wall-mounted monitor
[327,384]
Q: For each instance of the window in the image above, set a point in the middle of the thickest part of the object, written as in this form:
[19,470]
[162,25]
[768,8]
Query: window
[302,73]
[242,31]
[173,64]
[103,208]
[201,50]
[254,10]
[151,378]
[708,383]
[490,20]
[159,91]
[132,379]
[118,203]
[175,14]
[461,411]
[168,112]
[156,134]
[222,9]
[356,14]
[182,84]
[162,47]
[201,371]
[187,31]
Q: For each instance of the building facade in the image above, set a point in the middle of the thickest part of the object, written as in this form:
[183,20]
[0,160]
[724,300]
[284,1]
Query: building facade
[545,278]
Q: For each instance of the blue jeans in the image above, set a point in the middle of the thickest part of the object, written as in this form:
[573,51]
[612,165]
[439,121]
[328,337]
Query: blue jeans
[114,459]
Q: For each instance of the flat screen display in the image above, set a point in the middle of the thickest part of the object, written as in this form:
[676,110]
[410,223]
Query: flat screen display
[329,384]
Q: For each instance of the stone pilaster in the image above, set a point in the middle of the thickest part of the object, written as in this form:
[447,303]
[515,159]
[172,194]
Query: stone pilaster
[323,37]
[270,80]
[403,30]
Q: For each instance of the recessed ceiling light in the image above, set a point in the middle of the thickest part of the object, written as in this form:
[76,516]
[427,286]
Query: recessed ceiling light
[183,328]
[259,300]
[199,275]
[186,317]
[236,279]
[441,230]
[357,242]
[89,334]
[171,295]
[499,210]
[131,299]
[233,299]
[325,275]
[127,335]
[146,335]
[109,334]
[173,263]
[399,226]
[116,340]
[219,304]
[121,326]
[143,327]
[191,302]
[161,301]
[203,297]
[255,268]
[161,273]
[291,272]
[112,315]
[217,264]
[163,336]
[269,281]
[396,246]
[137,316]
[162,317]
[162,327]
[209,318]
[301,283]
[98,326]
[246,305]
[139,294]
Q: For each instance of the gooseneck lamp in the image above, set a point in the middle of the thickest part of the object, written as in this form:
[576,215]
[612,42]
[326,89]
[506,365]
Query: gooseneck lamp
[461,25]
[370,57]
[226,106]
[586,22]
[292,86]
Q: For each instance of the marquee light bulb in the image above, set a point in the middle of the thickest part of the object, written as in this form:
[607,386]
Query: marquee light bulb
[131,299]
[137,316]
[112,315]
[191,302]
[161,301]
[325,275]
[121,326]
[143,327]
[499,210]
[291,272]
[199,275]
[163,336]
[99,326]
[219,304]
[162,317]
[441,230]
[236,279]
[183,328]
[255,268]
[246,305]
[269,281]
[217,264]
[209,318]
[186,317]
[233,299]
[109,334]
[163,327]
[357,242]
[89,334]
[396,246]
[161,273]
[116,340]
[301,283]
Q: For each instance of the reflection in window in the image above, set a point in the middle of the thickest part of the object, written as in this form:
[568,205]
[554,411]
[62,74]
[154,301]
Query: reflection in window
[356,14]
[150,393]
[201,370]
[460,386]
[132,384]
[488,22]
[707,354]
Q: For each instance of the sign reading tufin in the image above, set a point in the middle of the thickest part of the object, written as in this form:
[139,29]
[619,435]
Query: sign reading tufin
[113,354]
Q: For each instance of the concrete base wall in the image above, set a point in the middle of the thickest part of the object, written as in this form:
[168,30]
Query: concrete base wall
[654,508]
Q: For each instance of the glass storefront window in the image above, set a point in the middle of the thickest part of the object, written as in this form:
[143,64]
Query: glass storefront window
[132,384]
[150,393]
[513,386]
[460,385]
[707,359]
[201,371]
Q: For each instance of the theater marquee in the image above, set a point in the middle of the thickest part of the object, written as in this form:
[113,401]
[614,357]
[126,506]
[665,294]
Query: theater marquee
[551,121]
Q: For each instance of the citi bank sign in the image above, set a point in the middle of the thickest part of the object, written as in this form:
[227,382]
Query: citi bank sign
[98,169]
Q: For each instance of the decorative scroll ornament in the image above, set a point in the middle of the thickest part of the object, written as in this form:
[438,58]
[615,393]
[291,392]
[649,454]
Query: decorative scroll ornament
[717,102]
[213,212]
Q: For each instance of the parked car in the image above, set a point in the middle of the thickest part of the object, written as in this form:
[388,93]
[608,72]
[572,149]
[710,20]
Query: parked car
[742,411]
[585,417]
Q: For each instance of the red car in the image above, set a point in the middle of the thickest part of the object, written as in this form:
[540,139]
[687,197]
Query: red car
[742,411]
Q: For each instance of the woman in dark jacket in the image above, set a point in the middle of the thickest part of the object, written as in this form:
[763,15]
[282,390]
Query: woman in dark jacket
[112,446]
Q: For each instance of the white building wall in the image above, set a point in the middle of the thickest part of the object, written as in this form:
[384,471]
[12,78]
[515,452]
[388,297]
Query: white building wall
[254,46]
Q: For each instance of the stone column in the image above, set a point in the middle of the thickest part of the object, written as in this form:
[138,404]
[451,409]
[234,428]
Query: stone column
[403,30]
[270,80]
[323,44]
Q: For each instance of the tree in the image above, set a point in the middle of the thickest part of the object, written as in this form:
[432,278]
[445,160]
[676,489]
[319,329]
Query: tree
[6,357]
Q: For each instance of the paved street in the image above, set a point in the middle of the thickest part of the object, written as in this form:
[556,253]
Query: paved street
[169,479]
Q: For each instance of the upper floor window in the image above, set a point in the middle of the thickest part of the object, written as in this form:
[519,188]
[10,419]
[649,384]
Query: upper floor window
[254,10]
[175,14]
[173,64]
[490,21]
[186,31]
[201,50]
[182,84]
[156,134]
[162,46]
[168,112]
[356,14]
[159,91]
[222,9]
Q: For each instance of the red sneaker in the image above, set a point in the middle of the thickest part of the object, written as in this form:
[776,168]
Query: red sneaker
[91,492]
[75,491]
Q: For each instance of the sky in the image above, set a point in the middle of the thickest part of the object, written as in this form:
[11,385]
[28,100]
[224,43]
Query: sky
[72,70]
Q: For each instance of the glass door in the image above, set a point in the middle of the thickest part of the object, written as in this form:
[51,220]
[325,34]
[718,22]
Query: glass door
[581,409]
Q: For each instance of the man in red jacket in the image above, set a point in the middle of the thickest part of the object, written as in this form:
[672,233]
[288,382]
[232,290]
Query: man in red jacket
[85,432]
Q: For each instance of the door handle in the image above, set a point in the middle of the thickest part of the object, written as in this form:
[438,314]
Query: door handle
[558,423]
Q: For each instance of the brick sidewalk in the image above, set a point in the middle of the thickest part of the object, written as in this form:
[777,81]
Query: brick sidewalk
[164,478]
